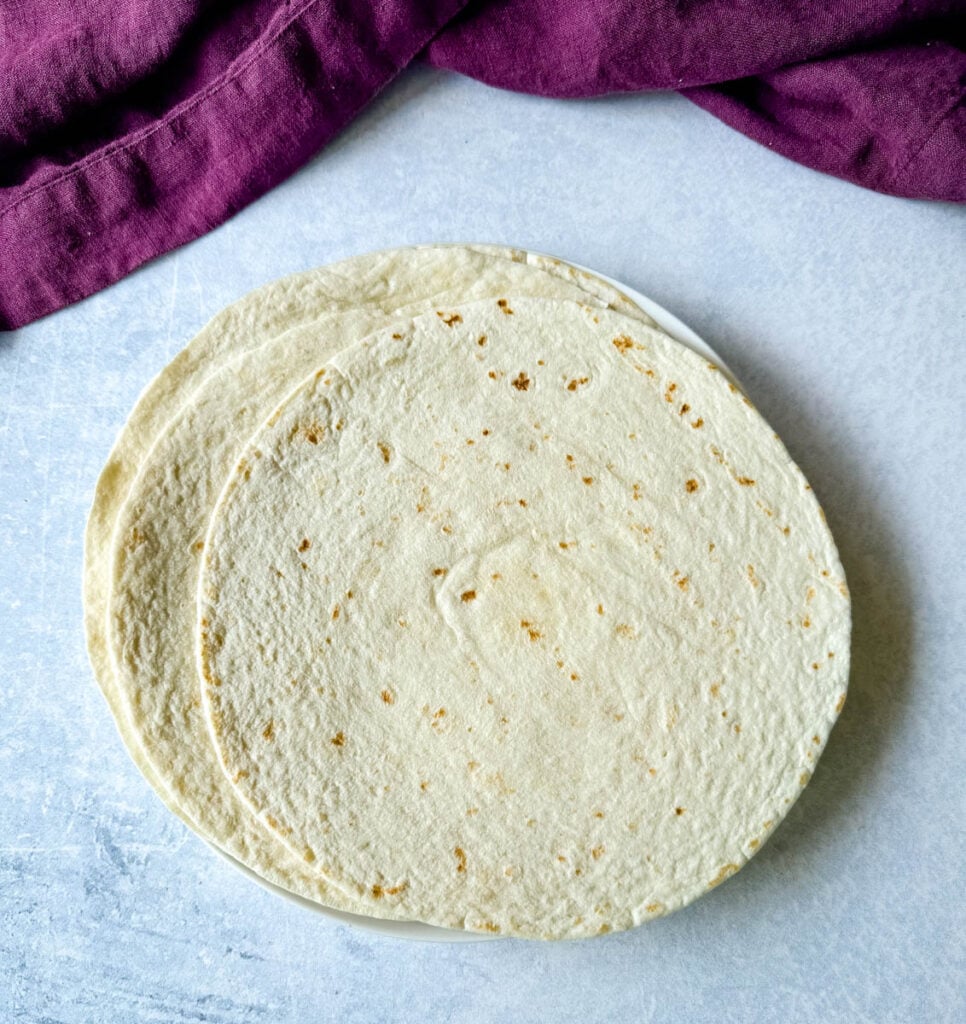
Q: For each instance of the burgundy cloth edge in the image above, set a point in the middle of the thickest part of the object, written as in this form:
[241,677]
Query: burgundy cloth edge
[109,185]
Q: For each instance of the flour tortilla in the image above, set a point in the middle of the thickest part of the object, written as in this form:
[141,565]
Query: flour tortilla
[521,621]
[160,528]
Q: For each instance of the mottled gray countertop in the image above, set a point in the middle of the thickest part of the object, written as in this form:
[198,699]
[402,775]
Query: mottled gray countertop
[841,311]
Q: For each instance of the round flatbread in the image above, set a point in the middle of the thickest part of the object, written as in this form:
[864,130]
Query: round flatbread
[158,532]
[520,619]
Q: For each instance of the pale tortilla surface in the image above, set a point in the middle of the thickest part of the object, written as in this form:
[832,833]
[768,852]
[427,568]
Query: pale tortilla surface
[520,619]
[147,666]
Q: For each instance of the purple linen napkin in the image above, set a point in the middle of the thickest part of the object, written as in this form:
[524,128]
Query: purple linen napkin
[129,128]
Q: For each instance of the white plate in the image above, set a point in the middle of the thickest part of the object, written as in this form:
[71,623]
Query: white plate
[414,929]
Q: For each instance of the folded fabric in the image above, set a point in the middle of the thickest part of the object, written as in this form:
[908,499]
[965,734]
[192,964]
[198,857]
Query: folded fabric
[128,129]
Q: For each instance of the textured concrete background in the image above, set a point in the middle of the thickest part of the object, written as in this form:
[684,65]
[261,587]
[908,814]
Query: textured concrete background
[842,311]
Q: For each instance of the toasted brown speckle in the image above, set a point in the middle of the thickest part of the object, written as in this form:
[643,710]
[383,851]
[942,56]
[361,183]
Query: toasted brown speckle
[624,344]
[385,451]
[598,851]
[576,382]
[679,811]
[745,481]
[505,306]
[588,480]
[305,545]
[521,382]
[468,595]
[481,340]
[338,740]
[460,860]
[691,486]
[387,697]
[531,630]
[440,572]
[726,871]
[268,732]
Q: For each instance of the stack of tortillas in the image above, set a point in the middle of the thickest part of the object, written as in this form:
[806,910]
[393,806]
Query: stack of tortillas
[442,585]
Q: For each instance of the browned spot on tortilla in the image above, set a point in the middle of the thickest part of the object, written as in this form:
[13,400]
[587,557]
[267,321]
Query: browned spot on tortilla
[626,631]
[336,612]
[598,851]
[654,908]
[679,811]
[600,609]
[496,576]
[624,344]
[439,713]
[199,545]
[135,539]
[239,775]
[532,631]
[385,450]
[521,382]
[754,843]
[803,778]
[725,872]
[481,340]
[387,697]
[684,408]
[753,577]
[440,572]
[338,740]
[574,677]
[379,891]
[681,581]
[715,689]
[806,623]
[460,860]
[698,423]
[305,545]
[745,481]
[486,433]
[309,855]
[468,595]
[691,486]
[490,926]
[269,731]
[522,503]
[588,480]
[669,393]
[492,374]
[576,383]
[455,318]
[840,703]
[505,306]
[424,785]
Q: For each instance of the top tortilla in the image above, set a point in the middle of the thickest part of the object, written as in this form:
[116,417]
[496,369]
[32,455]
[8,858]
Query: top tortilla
[520,619]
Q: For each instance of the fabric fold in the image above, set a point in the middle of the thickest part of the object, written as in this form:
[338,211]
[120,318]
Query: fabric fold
[75,225]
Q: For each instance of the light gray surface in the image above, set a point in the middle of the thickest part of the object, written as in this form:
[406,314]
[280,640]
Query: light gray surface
[841,311]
